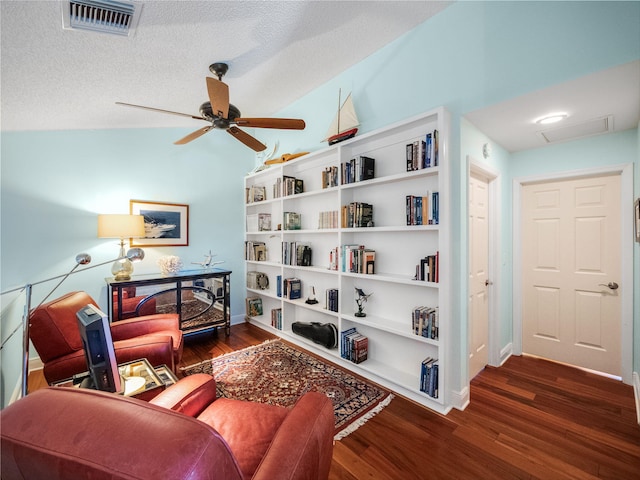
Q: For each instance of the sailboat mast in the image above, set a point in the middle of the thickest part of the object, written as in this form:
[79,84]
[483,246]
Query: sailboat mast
[339,94]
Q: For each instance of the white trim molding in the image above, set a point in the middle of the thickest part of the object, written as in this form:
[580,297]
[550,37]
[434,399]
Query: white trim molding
[636,394]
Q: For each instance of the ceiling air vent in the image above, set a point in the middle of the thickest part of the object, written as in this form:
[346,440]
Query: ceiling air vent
[595,126]
[106,16]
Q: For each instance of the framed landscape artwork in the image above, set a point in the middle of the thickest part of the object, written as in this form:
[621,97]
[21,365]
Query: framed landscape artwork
[165,224]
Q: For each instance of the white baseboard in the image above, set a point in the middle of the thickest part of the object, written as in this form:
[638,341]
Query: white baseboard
[460,400]
[636,393]
[505,353]
[35,364]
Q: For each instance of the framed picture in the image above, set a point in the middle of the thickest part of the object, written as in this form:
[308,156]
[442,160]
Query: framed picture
[165,224]
[637,217]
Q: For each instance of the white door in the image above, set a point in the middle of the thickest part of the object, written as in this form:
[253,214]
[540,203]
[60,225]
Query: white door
[478,274]
[571,309]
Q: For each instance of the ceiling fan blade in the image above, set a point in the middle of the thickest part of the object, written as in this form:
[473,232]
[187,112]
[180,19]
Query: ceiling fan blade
[247,139]
[161,110]
[194,135]
[282,123]
[218,96]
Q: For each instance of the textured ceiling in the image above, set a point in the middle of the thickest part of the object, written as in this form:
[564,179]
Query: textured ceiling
[55,79]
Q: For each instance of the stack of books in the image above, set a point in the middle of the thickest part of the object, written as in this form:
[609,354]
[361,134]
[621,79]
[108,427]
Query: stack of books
[429,377]
[428,270]
[291,288]
[354,346]
[355,259]
[287,186]
[298,254]
[357,169]
[255,251]
[423,153]
[255,193]
[357,214]
[423,210]
[276,318]
[330,177]
[425,322]
[331,302]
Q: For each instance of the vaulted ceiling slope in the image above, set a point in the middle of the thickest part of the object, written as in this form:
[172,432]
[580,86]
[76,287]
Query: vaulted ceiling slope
[56,79]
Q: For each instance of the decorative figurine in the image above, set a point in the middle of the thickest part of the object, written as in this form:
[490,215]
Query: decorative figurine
[312,298]
[362,297]
[208,261]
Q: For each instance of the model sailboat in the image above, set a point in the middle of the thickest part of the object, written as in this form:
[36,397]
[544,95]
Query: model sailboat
[345,125]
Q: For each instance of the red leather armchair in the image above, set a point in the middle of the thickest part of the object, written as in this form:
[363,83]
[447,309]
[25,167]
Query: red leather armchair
[130,304]
[55,336]
[56,434]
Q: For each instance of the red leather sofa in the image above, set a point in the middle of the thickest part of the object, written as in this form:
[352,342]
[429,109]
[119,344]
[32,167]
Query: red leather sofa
[55,336]
[63,433]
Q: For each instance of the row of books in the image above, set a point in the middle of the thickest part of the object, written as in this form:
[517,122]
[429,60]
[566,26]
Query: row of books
[328,219]
[291,221]
[290,288]
[423,153]
[423,210]
[330,177]
[353,258]
[254,306]
[428,270]
[357,214]
[357,169]
[294,253]
[255,251]
[429,377]
[425,322]
[287,186]
[255,193]
[354,346]
[276,318]
[331,301]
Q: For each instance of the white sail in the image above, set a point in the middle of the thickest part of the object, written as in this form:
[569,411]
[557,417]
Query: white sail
[346,119]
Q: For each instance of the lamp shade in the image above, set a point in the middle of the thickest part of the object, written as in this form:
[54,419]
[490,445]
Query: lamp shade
[120,226]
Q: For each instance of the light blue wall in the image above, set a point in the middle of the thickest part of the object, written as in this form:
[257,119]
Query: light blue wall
[471,55]
[55,183]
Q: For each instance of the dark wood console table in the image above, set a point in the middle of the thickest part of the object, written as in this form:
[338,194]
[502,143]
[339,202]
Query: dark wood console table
[200,297]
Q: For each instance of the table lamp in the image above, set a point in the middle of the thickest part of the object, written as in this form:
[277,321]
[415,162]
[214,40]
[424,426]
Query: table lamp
[121,226]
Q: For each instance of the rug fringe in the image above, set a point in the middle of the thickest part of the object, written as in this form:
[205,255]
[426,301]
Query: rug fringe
[362,420]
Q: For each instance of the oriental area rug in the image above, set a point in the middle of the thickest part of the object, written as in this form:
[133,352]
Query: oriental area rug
[279,374]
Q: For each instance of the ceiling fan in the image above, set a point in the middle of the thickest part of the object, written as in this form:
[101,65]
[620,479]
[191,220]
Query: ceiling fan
[225,116]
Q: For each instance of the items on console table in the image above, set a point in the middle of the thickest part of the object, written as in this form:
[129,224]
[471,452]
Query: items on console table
[199,297]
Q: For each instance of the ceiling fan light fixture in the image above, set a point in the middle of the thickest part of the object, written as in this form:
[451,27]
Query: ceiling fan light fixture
[552,118]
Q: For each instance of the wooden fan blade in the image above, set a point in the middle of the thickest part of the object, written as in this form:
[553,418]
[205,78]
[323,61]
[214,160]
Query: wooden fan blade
[194,135]
[161,110]
[282,123]
[247,139]
[218,96]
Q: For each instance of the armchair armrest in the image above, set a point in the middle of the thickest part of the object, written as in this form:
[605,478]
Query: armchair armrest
[134,327]
[190,395]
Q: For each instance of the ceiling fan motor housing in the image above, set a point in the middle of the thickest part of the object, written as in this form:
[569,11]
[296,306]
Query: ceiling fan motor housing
[207,112]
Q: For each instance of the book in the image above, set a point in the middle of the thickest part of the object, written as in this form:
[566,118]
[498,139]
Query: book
[254,306]
[331,300]
[276,318]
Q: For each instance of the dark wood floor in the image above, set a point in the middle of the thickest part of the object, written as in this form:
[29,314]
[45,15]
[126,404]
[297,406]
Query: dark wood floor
[529,419]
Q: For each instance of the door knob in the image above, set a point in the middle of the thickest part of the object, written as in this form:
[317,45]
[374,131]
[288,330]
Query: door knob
[611,285]
[487,283]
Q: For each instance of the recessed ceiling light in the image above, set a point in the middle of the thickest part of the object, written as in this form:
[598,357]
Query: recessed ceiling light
[552,118]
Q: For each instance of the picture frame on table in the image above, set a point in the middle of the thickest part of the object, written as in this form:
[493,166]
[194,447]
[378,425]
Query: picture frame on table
[165,224]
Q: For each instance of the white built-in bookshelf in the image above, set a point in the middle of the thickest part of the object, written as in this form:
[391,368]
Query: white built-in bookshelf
[395,351]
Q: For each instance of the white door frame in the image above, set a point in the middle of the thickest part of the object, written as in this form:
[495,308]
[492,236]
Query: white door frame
[626,249]
[494,226]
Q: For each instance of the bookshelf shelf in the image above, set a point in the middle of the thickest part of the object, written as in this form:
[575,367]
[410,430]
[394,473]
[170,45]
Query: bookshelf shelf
[338,176]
